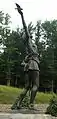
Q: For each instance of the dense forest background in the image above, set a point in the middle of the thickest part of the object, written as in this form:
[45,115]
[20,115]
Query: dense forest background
[14,45]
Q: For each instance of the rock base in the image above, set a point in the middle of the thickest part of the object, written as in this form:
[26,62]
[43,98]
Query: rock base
[25,116]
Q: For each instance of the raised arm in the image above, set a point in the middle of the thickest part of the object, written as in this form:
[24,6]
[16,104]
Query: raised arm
[23,21]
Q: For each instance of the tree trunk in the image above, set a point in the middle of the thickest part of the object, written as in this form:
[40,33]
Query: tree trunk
[8,77]
[16,81]
[8,82]
[52,86]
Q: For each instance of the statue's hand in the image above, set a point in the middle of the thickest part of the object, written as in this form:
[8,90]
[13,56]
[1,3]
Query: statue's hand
[19,9]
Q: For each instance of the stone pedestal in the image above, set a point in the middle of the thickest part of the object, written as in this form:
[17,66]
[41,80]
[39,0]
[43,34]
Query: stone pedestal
[25,116]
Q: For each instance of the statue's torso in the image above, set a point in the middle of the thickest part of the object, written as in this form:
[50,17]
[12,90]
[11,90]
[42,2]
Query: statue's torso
[31,60]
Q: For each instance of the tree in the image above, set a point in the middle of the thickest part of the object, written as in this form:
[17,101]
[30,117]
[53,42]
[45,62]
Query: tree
[4,31]
[50,35]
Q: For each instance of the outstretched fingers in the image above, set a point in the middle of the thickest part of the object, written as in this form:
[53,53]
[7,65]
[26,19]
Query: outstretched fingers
[19,8]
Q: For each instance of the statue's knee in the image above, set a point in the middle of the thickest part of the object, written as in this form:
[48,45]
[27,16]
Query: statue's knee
[24,92]
[34,88]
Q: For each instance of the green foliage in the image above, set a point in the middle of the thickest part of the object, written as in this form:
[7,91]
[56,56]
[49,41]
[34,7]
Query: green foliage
[9,94]
[7,19]
[31,28]
[1,17]
[52,108]
[48,54]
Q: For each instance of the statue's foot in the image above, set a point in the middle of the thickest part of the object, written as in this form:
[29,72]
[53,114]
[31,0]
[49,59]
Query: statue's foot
[15,107]
[31,106]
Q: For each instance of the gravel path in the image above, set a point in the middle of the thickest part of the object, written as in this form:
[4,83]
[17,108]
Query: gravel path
[7,108]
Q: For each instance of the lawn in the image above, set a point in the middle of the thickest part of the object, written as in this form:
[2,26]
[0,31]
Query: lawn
[9,94]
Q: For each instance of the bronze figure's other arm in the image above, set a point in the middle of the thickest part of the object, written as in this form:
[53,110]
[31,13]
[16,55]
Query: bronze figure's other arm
[23,21]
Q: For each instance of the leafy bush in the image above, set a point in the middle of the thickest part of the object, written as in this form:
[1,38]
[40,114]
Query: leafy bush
[52,108]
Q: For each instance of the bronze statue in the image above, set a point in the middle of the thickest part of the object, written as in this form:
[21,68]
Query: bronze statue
[31,66]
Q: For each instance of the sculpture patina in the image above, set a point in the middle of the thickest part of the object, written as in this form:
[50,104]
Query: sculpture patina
[31,67]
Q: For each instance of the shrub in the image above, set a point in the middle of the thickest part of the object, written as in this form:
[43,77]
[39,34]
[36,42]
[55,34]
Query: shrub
[52,108]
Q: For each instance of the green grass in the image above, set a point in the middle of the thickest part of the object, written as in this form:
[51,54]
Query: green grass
[9,94]
[44,97]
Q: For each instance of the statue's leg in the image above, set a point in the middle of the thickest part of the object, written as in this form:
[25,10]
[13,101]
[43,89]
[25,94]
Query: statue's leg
[35,85]
[19,99]
[14,106]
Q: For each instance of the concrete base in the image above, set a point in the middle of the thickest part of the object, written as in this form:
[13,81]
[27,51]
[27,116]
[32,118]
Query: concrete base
[25,116]
[25,111]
